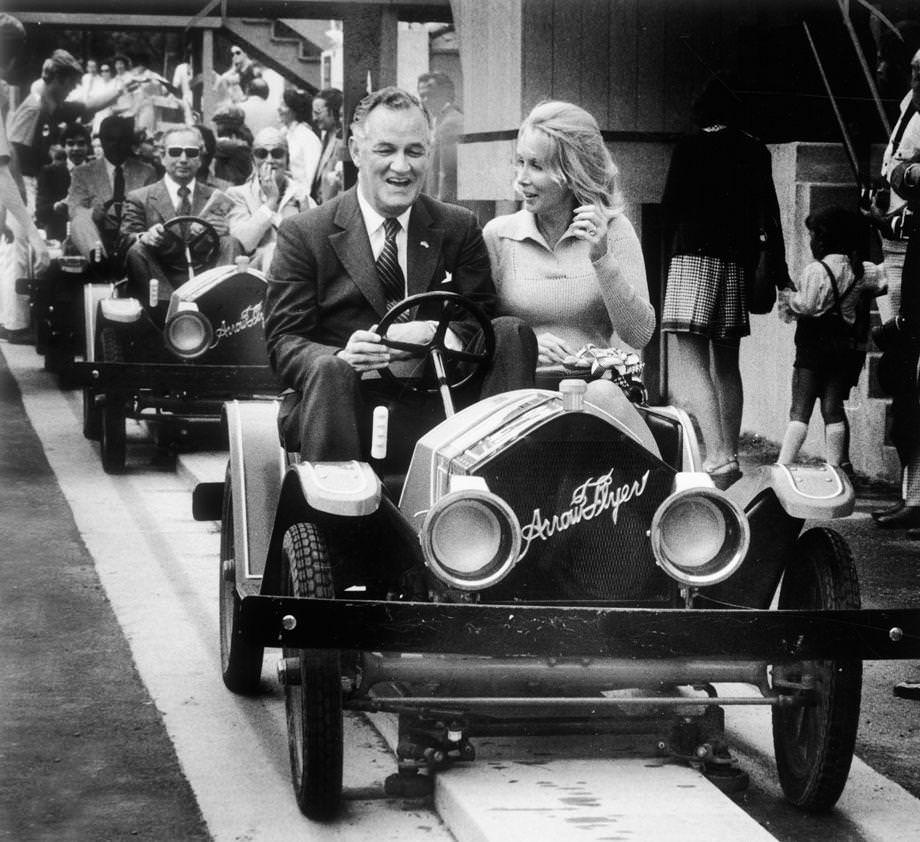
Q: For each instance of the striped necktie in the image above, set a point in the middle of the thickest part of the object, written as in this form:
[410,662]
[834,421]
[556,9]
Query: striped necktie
[388,269]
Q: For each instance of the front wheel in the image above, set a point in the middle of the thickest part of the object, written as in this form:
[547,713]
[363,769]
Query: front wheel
[112,435]
[240,660]
[814,743]
[313,689]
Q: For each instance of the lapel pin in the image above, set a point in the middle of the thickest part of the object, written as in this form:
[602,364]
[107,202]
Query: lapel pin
[424,244]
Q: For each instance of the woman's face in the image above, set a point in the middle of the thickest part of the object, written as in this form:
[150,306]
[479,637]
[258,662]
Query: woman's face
[534,178]
[285,114]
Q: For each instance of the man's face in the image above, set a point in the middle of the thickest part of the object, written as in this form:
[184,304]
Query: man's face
[391,152]
[322,115]
[435,98]
[237,57]
[182,167]
[273,156]
[76,149]
[116,142]
[59,87]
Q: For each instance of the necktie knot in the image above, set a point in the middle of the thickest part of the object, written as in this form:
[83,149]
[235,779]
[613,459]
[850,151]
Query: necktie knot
[183,192]
[391,227]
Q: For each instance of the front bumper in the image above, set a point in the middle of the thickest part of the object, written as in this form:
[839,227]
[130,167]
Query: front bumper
[543,631]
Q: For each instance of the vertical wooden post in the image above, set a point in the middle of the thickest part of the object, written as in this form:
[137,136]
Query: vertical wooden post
[208,100]
[369,41]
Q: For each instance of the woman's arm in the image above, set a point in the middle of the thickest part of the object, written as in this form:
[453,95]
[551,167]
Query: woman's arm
[621,277]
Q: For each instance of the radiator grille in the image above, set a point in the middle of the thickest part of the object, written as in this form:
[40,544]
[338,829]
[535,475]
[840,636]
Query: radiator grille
[585,494]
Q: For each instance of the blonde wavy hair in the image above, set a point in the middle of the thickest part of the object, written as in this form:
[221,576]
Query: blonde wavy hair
[579,160]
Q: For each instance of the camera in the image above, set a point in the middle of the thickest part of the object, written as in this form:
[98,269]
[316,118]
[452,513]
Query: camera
[888,335]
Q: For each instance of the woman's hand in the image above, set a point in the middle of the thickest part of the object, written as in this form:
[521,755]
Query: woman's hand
[590,224]
[552,350]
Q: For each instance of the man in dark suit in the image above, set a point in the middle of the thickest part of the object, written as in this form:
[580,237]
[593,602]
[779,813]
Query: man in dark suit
[150,252]
[332,279]
[110,177]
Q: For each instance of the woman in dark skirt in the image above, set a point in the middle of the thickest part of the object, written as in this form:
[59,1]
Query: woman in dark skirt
[718,191]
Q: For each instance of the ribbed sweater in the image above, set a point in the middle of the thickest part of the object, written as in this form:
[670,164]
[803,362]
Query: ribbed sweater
[561,291]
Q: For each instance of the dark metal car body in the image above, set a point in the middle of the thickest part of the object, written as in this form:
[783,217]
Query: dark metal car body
[544,566]
[209,350]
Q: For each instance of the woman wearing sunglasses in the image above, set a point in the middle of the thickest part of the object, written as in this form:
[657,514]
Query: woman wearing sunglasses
[267,197]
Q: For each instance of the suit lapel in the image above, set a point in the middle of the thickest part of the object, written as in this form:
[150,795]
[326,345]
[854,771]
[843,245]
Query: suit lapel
[353,248]
[200,197]
[160,201]
[424,248]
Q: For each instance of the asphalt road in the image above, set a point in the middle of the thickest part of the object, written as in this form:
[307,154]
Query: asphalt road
[85,752]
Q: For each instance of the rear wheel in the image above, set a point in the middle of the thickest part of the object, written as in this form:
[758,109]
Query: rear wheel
[814,743]
[313,694]
[240,661]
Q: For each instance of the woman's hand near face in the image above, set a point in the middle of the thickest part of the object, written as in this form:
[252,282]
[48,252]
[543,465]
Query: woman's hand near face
[590,224]
[552,350]
[270,188]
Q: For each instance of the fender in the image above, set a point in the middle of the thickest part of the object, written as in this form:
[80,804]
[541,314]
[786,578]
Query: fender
[316,491]
[256,470]
[805,492]
[93,294]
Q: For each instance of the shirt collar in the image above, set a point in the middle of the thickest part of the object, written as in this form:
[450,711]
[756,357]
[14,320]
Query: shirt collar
[373,220]
[523,226]
[172,188]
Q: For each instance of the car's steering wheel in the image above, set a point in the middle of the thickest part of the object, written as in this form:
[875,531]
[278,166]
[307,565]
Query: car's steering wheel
[454,307]
[193,233]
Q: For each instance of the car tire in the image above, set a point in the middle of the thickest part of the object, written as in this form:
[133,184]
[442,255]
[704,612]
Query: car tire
[814,743]
[240,661]
[314,703]
[92,416]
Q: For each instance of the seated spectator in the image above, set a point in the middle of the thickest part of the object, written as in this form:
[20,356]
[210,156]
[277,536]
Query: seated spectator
[266,198]
[151,254]
[232,160]
[112,175]
[258,112]
[54,182]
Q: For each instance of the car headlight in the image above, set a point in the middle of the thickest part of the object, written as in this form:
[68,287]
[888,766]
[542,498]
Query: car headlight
[471,539]
[188,334]
[700,536]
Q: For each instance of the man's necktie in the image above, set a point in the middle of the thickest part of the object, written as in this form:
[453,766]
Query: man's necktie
[185,205]
[391,276]
[118,193]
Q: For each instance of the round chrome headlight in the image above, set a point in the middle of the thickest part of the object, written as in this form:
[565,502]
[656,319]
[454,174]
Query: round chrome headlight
[471,539]
[700,536]
[188,334]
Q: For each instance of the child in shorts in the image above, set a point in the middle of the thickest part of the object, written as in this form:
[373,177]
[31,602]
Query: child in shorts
[829,303]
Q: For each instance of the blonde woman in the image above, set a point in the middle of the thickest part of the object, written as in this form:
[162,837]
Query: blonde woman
[569,262]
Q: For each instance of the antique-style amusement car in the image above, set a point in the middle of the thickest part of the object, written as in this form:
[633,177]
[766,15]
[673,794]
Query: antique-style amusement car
[170,365]
[542,566]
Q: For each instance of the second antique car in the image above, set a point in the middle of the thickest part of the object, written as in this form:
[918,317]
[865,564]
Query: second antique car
[542,566]
[174,368]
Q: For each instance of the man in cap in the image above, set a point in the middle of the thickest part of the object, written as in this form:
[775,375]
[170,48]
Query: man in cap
[265,199]
[14,214]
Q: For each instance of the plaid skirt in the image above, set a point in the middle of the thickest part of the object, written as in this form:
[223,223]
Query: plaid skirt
[705,296]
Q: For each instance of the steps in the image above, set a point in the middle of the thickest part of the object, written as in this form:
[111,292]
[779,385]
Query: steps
[283,45]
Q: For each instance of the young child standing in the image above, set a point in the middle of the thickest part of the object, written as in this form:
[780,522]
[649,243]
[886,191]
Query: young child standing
[830,338]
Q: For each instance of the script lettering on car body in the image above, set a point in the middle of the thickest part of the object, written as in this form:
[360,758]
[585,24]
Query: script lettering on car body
[592,498]
[249,317]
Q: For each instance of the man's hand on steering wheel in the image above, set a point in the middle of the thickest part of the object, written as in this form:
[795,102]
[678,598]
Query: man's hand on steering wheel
[364,351]
[154,237]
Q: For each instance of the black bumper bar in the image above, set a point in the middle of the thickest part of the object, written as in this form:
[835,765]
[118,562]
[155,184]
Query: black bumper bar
[212,379]
[545,631]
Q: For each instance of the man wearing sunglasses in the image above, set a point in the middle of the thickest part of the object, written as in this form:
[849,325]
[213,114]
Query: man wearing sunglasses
[152,254]
[265,199]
